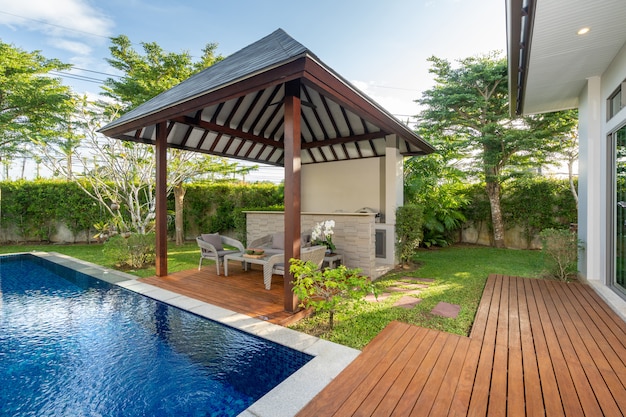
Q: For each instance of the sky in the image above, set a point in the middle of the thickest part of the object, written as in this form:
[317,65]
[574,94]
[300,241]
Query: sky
[381,47]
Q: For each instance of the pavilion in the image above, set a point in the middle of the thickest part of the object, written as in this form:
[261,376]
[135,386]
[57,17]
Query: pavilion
[272,102]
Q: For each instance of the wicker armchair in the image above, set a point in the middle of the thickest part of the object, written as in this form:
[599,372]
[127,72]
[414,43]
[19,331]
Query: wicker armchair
[276,263]
[212,247]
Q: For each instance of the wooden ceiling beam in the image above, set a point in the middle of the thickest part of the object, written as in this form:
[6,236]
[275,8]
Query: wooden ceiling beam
[346,139]
[203,124]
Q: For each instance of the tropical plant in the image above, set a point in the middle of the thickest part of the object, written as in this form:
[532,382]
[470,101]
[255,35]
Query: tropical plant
[409,231]
[328,290]
[133,251]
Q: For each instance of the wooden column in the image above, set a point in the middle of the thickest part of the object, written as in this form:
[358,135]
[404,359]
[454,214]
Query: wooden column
[161,199]
[292,185]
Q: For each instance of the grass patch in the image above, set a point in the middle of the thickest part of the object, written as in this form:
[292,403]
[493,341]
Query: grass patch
[459,274]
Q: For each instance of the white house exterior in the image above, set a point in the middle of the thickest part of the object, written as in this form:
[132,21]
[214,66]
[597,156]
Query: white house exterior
[566,54]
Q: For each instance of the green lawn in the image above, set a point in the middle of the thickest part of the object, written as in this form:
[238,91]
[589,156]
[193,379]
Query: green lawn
[459,272]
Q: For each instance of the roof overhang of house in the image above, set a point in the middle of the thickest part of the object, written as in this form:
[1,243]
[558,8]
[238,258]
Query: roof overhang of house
[549,62]
[235,109]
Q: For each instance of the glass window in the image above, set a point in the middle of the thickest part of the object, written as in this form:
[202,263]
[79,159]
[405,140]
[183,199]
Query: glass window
[616,101]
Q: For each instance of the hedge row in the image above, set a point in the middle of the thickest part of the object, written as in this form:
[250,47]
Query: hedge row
[34,208]
[534,204]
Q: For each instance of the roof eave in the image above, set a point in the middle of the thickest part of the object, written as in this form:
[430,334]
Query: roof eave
[520,20]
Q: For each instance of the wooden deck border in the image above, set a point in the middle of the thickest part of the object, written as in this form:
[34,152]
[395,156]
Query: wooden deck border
[241,291]
[537,348]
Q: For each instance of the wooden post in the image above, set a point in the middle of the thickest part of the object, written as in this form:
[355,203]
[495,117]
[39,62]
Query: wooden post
[161,199]
[292,185]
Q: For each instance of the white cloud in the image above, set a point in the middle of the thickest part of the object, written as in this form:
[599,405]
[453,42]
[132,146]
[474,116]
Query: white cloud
[79,48]
[397,101]
[64,20]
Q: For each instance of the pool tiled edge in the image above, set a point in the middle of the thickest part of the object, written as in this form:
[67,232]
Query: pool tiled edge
[288,397]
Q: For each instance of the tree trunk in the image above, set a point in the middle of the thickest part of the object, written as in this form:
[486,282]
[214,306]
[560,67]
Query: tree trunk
[570,175]
[179,199]
[493,192]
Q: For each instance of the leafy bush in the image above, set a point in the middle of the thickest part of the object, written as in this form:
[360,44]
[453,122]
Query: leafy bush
[536,204]
[409,230]
[136,251]
[330,290]
[561,249]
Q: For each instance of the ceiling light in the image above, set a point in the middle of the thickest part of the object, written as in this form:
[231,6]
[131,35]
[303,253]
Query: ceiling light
[583,31]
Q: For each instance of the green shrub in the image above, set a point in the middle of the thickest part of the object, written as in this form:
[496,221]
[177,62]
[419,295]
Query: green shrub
[409,230]
[330,290]
[135,251]
[560,248]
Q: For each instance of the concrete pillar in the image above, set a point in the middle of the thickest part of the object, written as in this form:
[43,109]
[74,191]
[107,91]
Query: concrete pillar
[593,196]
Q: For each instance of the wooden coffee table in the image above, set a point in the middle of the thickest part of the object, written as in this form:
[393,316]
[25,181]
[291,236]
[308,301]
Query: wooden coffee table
[267,268]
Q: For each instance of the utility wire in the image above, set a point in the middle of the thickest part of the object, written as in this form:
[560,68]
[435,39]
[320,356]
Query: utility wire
[77,77]
[55,25]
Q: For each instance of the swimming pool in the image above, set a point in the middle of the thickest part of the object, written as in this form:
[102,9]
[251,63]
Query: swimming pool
[71,344]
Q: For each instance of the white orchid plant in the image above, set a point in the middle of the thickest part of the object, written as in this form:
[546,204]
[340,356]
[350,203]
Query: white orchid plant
[322,234]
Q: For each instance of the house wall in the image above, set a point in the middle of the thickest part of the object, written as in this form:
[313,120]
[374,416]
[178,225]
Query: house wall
[595,215]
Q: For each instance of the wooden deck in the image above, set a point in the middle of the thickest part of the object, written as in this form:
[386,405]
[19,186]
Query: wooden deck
[241,291]
[537,348]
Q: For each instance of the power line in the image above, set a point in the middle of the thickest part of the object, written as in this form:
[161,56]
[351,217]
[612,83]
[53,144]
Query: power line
[55,25]
[77,77]
[97,72]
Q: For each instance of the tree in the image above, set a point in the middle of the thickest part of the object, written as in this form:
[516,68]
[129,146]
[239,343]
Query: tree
[148,75]
[468,111]
[33,103]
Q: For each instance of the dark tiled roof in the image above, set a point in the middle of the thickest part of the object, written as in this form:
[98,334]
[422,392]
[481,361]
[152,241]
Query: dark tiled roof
[235,109]
[276,48]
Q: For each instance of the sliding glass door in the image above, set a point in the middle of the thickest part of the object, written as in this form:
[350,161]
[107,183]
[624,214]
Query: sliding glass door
[619,207]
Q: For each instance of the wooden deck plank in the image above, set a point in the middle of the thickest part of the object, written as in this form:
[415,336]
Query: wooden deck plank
[463,393]
[515,401]
[599,373]
[499,368]
[381,377]
[345,384]
[417,383]
[241,291]
[482,384]
[571,356]
[533,397]
[387,399]
[426,400]
[442,403]
[482,312]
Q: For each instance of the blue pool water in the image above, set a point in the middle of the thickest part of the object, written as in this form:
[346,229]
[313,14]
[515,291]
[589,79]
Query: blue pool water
[73,345]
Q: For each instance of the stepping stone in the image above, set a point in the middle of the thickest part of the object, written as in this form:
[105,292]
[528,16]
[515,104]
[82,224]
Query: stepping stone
[407,302]
[418,279]
[404,285]
[381,297]
[446,310]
